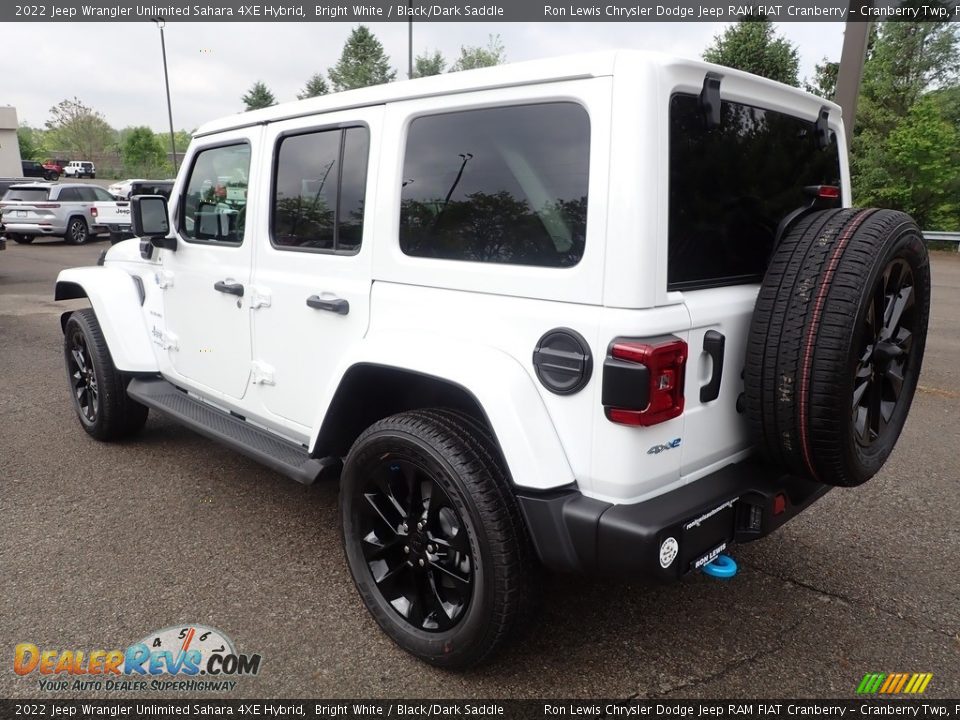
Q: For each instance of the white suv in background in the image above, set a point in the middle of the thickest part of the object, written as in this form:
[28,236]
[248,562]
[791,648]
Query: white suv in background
[610,312]
[80,169]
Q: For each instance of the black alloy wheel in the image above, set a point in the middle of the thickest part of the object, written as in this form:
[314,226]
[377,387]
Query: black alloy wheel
[434,537]
[415,545]
[885,355]
[83,378]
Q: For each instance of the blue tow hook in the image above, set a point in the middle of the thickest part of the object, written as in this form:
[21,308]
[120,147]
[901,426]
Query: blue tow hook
[723,567]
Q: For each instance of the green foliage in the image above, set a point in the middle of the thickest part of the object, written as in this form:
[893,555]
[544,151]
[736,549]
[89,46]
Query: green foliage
[905,60]
[258,97]
[472,57]
[29,143]
[142,152]
[426,64]
[753,46]
[79,130]
[315,87]
[362,63]
[914,168]
[905,153]
[824,79]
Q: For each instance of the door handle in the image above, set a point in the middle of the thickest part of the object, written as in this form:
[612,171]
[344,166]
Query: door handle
[231,288]
[334,305]
[713,343]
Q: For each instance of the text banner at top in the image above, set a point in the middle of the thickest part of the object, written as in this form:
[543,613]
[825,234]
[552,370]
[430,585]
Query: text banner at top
[473,11]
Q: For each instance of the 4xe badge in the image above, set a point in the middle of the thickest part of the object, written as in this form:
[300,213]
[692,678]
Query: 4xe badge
[170,659]
[657,449]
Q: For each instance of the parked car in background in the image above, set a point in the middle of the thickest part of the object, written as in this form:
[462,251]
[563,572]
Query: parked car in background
[54,165]
[125,189]
[33,169]
[32,210]
[79,169]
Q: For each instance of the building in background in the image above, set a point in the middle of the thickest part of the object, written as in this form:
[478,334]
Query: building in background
[9,145]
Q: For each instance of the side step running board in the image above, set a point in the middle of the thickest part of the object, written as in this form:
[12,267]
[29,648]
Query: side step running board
[276,453]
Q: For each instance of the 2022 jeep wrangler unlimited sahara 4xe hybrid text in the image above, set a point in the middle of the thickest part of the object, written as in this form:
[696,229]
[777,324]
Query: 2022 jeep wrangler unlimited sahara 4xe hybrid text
[609,312]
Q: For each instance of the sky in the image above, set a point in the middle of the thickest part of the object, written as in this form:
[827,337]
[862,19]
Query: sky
[119,71]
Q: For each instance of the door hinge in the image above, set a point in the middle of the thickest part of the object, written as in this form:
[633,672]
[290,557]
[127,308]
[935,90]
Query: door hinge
[261,373]
[260,297]
[164,279]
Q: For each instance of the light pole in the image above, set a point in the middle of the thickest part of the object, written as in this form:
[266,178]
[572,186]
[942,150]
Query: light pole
[410,40]
[166,79]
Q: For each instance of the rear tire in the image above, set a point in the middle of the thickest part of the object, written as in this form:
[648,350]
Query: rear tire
[77,231]
[836,343]
[98,389]
[453,605]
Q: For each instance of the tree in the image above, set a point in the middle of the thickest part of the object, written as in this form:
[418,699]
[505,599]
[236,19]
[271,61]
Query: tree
[824,79]
[904,60]
[362,63]
[914,168]
[315,87]
[425,65]
[258,97]
[30,148]
[141,150]
[753,46]
[79,130]
[472,57]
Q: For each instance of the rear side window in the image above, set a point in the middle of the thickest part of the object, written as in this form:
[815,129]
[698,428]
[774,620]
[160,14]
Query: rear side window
[215,203]
[498,185]
[319,190]
[730,186]
[70,194]
[27,194]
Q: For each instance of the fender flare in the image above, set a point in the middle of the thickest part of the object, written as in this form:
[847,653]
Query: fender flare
[116,301]
[500,385]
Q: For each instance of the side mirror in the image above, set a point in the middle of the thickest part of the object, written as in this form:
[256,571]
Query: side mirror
[151,220]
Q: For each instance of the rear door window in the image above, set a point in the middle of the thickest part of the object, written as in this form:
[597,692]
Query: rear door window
[319,190]
[730,186]
[498,185]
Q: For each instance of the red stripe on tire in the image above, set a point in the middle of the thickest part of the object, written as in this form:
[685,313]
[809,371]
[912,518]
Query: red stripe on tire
[855,223]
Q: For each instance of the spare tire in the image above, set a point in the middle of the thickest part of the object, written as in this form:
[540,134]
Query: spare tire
[836,343]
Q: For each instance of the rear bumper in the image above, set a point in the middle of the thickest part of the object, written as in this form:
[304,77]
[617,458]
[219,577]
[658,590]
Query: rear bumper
[32,228]
[736,504]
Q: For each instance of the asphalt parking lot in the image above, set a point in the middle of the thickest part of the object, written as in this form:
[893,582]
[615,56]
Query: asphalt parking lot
[103,543]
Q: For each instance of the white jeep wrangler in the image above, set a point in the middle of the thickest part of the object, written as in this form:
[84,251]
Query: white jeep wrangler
[605,313]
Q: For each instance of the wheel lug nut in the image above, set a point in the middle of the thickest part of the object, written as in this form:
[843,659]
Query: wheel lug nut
[406,548]
[429,548]
[421,562]
[419,526]
[405,528]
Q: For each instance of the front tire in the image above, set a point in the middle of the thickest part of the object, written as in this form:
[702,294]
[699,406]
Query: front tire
[77,232]
[434,538]
[98,389]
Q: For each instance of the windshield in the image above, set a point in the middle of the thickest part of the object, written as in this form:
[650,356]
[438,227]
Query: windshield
[27,194]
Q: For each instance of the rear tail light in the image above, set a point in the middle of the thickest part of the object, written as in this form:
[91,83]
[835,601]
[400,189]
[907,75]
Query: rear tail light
[93,212]
[643,381]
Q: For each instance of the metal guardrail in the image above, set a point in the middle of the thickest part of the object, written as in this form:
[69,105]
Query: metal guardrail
[945,237]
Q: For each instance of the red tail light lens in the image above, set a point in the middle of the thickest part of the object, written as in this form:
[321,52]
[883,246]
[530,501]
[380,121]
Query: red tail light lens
[665,362]
[93,212]
[828,192]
